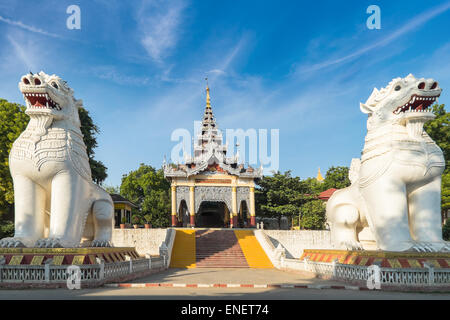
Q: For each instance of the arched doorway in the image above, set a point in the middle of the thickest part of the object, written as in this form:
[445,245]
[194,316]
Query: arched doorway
[243,215]
[183,214]
[212,214]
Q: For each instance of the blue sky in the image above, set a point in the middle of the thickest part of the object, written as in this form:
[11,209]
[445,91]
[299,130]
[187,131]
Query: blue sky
[301,67]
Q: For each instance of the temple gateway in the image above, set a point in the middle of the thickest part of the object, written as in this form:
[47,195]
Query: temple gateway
[212,190]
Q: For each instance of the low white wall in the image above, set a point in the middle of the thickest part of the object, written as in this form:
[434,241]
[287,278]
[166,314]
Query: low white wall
[295,241]
[144,240]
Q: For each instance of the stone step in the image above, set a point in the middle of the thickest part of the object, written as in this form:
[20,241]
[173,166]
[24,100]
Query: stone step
[218,248]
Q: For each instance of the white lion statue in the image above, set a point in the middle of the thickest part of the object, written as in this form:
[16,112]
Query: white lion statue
[56,202]
[396,185]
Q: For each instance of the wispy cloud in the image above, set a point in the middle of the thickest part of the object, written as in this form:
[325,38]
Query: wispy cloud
[159,23]
[222,68]
[22,53]
[28,28]
[410,25]
[216,71]
[110,73]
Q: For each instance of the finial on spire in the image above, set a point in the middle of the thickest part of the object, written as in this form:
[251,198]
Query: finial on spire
[208,99]
[319,176]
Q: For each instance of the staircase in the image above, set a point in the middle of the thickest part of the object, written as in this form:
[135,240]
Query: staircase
[212,248]
[254,253]
[183,251]
[218,249]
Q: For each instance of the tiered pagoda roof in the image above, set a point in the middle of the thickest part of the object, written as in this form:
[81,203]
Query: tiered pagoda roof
[210,153]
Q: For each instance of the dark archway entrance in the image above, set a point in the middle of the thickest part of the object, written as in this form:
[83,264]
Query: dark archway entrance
[243,215]
[211,214]
[183,214]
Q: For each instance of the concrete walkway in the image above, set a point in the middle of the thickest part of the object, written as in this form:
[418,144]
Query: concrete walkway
[234,276]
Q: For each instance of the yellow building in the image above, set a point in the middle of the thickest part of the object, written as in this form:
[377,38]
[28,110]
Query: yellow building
[211,189]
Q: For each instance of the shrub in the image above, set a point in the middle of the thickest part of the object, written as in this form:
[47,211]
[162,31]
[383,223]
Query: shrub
[446,230]
[6,229]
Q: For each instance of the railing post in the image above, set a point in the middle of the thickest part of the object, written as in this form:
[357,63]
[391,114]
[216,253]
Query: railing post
[2,262]
[333,265]
[128,258]
[47,272]
[101,263]
[305,264]
[47,264]
[164,253]
[430,268]
[149,257]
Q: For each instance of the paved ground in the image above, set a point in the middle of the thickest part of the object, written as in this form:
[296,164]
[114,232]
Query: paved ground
[161,293]
[205,276]
[233,275]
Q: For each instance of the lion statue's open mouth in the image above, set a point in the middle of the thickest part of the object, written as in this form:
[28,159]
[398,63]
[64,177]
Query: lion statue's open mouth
[41,100]
[417,104]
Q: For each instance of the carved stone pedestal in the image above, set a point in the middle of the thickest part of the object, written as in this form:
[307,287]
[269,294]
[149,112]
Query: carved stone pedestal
[64,256]
[386,259]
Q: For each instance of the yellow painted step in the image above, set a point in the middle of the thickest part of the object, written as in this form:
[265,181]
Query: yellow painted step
[183,251]
[253,252]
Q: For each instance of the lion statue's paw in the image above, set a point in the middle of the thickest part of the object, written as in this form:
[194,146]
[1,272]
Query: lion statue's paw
[12,242]
[101,243]
[441,246]
[49,243]
[351,245]
[446,247]
[422,246]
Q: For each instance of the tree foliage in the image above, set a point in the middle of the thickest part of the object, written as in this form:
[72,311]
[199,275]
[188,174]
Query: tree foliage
[112,189]
[283,195]
[313,215]
[148,188]
[336,177]
[89,130]
[446,230]
[439,130]
[13,121]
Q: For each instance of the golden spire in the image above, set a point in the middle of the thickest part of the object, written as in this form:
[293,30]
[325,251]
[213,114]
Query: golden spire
[208,99]
[319,176]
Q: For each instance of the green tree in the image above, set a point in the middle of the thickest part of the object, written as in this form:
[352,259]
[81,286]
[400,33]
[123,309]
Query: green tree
[445,192]
[282,195]
[89,130]
[13,121]
[6,229]
[439,130]
[446,230]
[313,215]
[112,189]
[148,188]
[336,177]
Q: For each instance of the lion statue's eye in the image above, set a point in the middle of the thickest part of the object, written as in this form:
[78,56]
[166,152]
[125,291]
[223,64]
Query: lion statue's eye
[55,85]
[397,88]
